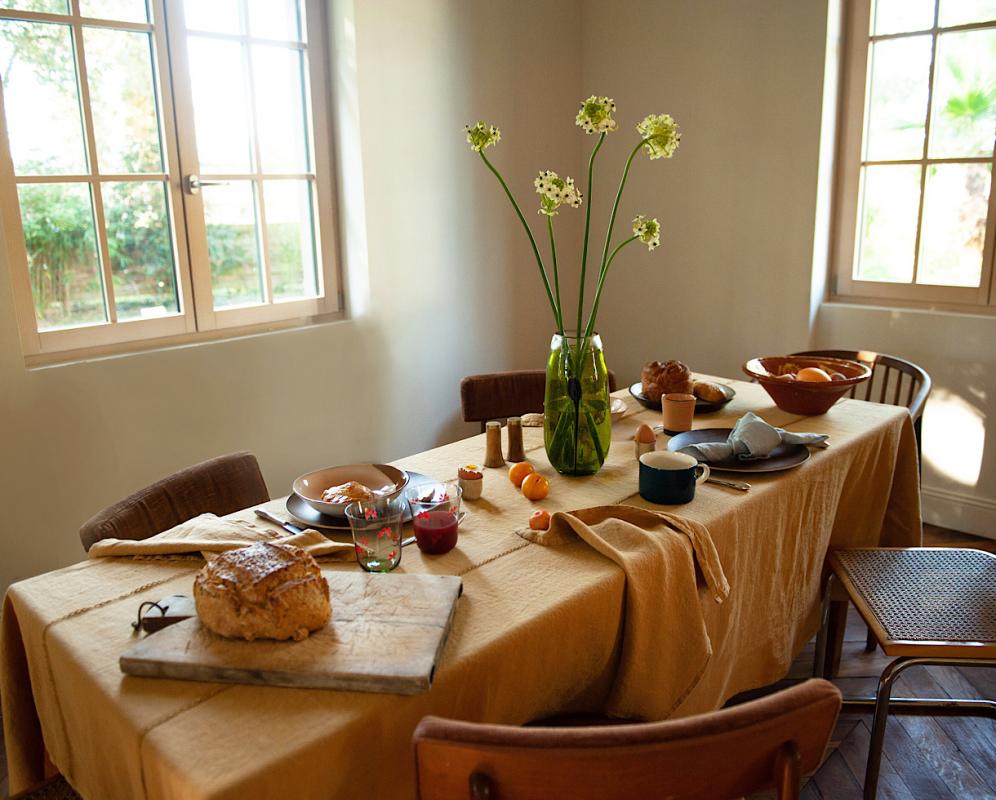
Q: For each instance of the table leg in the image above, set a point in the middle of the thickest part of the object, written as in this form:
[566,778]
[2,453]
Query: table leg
[836,624]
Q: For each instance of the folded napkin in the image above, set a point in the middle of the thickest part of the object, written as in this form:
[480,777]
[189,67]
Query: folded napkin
[665,645]
[208,534]
[752,438]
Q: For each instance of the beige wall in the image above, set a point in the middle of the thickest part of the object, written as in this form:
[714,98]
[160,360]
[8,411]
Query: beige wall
[446,268]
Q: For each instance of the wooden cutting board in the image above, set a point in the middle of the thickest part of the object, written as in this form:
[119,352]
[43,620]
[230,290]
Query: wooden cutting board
[386,634]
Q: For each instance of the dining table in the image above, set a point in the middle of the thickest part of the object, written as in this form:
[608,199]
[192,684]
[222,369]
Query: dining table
[539,630]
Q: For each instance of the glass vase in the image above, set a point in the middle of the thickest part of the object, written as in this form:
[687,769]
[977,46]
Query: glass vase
[577,427]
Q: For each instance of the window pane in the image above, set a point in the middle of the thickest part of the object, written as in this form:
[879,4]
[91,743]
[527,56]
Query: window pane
[123,100]
[280,110]
[141,249]
[233,244]
[959,12]
[964,107]
[291,234]
[219,16]
[897,107]
[955,200]
[221,109]
[65,274]
[890,198]
[44,6]
[127,10]
[275,19]
[900,16]
[41,97]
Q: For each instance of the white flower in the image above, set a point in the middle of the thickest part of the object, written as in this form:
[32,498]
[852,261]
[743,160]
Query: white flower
[595,115]
[482,136]
[661,133]
[649,231]
[555,191]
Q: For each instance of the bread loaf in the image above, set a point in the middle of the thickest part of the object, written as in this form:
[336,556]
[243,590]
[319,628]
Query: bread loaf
[709,392]
[265,591]
[665,377]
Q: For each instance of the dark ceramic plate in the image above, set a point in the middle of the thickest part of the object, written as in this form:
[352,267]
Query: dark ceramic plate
[701,406]
[785,456]
[306,515]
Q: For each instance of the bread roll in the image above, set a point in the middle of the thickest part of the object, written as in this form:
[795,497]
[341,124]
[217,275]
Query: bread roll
[265,591]
[709,392]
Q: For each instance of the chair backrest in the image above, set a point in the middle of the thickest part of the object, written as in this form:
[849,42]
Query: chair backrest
[219,486]
[499,395]
[893,381]
[751,747]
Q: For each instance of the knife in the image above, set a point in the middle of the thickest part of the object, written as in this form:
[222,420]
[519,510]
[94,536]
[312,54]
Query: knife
[291,528]
[739,485]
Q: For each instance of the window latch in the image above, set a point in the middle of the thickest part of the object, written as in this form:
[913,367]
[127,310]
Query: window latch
[192,184]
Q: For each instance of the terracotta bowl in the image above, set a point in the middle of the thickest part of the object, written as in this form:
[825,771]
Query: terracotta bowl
[804,397]
[382,479]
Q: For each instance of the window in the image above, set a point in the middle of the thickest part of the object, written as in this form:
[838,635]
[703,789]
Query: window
[915,209]
[164,167]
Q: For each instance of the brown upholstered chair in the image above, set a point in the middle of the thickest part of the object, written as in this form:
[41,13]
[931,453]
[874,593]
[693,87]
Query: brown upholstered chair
[500,395]
[220,486]
[761,744]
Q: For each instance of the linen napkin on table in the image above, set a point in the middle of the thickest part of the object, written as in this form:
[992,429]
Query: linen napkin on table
[752,438]
[207,534]
[665,646]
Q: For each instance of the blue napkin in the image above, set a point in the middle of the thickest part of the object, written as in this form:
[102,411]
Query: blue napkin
[752,438]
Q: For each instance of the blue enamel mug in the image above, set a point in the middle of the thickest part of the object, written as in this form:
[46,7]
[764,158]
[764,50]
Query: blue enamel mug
[670,478]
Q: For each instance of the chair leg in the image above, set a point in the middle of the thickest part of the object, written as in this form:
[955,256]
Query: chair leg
[870,642]
[837,626]
[882,698]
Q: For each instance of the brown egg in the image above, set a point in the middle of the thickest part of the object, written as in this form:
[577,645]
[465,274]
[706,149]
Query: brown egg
[645,434]
[813,375]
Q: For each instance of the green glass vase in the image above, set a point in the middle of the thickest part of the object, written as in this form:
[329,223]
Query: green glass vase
[577,427]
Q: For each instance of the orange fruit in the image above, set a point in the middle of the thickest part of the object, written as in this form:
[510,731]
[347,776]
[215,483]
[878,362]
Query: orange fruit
[517,472]
[813,375]
[535,486]
[540,520]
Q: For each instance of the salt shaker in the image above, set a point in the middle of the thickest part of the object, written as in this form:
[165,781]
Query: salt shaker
[492,452]
[515,449]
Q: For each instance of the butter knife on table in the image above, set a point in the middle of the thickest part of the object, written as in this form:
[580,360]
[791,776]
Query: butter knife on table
[294,529]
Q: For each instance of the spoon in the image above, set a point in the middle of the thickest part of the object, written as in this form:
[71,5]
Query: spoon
[739,485]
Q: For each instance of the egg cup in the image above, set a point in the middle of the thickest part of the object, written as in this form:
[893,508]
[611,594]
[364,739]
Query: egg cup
[471,481]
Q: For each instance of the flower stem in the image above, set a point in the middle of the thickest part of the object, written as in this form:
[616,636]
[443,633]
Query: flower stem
[601,284]
[532,241]
[587,228]
[556,275]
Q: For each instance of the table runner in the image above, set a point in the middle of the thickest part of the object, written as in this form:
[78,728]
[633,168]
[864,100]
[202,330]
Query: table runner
[537,632]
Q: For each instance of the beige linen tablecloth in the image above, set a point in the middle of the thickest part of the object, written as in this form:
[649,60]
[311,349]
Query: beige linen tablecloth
[538,631]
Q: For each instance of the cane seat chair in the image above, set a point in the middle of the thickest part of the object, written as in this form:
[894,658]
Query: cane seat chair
[219,486]
[923,605]
[500,395]
[762,744]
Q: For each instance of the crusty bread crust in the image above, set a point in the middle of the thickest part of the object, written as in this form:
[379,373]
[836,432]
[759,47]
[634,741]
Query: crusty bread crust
[665,377]
[265,591]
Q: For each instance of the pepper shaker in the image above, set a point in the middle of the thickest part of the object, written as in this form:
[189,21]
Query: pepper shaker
[515,450]
[492,452]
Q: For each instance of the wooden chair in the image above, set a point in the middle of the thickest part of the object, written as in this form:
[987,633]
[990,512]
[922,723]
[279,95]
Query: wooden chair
[761,744]
[894,381]
[500,395]
[923,605]
[220,486]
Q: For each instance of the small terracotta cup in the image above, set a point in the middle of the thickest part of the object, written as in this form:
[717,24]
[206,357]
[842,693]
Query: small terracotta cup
[677,411]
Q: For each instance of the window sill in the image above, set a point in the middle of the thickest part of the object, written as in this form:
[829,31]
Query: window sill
[909,306]
[69,357]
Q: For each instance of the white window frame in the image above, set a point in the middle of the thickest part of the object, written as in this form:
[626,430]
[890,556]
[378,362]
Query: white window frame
[853,112]
[197,319]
